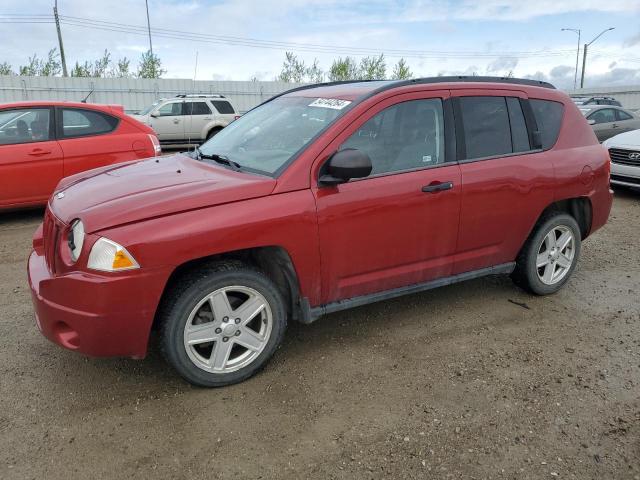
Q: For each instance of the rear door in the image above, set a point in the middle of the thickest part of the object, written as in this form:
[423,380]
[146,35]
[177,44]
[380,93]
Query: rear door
[197,115]
[626,122]
[225,113]
[506,180]
[168,121]
[398,226]
[87,141]
[30,157]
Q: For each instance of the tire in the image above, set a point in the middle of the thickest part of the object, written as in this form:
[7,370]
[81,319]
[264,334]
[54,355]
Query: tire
[212,133]
[540,278]
[213,342]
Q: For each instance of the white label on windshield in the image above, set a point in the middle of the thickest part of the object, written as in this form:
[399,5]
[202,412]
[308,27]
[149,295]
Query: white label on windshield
[333,103]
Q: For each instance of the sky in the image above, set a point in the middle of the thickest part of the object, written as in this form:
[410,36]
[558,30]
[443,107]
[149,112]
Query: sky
[436,37]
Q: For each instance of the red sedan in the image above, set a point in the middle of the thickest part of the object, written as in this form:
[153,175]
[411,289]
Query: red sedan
[42,142]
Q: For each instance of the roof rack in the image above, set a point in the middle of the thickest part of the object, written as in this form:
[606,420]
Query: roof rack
[199,95]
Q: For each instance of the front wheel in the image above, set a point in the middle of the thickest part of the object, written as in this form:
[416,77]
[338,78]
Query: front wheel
[550,255]
[221,325]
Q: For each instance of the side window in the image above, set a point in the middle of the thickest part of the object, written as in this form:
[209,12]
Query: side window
[196,108]
[223,107]
[405,136]
[519,133]
[622,115]
[485,121]
[79,123]
[604,115]
[24,125]
[548,117]
[170,109]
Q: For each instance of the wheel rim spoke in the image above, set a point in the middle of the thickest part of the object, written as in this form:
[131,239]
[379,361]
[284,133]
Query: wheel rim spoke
[548,272]
[543,259]
[249,309]
[564,240]
[564,261]
[249,339]
[220,355]
[220,305]
[202,333]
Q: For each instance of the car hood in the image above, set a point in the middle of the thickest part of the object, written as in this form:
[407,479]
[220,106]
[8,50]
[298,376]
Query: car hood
[624,140]
[125,193]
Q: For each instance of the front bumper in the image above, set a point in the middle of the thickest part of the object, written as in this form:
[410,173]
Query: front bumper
[97,315]
[626,175]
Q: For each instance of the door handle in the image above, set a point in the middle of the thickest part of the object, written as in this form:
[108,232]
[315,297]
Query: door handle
[176,120]
[207,118]
[615,125]
[436,187]
[39,151]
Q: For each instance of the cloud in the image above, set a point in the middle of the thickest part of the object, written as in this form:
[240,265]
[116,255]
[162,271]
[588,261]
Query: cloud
[632,41]
[561,71]
[502,64]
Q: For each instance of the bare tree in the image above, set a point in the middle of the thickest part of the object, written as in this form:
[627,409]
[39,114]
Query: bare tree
[6,69]
[372,68]
[48,67]
[293,69]
[314,73]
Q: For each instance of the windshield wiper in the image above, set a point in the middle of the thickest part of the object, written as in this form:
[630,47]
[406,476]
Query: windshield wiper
[218,158]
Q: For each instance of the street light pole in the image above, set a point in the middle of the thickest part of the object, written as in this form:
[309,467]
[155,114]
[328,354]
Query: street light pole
[575,76]
[146,2]
[62,59]
[584,53]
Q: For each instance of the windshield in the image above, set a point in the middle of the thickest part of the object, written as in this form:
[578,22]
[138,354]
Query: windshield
[147,110]
[585,111]
[266,138]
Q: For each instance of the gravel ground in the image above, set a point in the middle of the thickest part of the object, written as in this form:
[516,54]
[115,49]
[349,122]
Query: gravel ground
[476,380]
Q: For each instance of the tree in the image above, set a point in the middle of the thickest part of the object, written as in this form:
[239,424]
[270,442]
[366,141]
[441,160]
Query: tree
[314,73]
[122,69]
[6,69]
[101,65]
[44,68]
[150,66]
[293,69]
[343,69]
[372,68]
[401,71]
[81,70]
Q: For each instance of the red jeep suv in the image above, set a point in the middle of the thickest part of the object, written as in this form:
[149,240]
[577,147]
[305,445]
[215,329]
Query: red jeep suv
[323,198]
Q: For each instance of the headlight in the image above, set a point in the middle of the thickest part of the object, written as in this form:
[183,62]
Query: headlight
[108,256]
[75,239]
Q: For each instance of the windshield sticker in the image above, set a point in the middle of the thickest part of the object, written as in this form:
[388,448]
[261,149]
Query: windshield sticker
[333,103]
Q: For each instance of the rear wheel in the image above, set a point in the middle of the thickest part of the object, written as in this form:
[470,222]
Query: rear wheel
[549,257]
[213,133]
[221,325]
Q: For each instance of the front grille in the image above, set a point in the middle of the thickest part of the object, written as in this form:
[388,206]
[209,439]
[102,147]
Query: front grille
[621,156]
[625,179]
[51,233]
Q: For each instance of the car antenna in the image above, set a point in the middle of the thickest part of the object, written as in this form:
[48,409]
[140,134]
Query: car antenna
[87,97]
[195,73]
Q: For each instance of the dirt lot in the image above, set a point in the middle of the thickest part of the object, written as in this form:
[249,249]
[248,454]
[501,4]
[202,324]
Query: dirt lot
[476,380]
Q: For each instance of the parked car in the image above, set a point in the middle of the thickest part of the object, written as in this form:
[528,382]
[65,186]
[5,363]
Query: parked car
[609,121]
[42,142]
[624,150]
[582,100]
[324,198]
[188,118]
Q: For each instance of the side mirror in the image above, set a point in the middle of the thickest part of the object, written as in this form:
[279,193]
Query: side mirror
[345,165]
[154,114]
[591,121]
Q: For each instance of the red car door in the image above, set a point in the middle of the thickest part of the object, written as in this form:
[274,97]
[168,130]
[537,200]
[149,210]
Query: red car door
[30,157]
[506,181]
[398,226]
[89,139]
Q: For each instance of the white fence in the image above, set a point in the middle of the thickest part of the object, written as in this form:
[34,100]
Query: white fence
[134,94]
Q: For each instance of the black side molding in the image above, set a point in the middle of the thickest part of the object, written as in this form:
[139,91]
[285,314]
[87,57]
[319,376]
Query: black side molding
[311,314]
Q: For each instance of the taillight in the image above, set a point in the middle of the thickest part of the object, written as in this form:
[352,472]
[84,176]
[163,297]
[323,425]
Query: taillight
[157,149]
[235,117]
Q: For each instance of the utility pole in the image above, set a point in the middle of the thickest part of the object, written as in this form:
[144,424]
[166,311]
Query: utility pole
[575,76]
[62,59]
[584,55]
[146,2]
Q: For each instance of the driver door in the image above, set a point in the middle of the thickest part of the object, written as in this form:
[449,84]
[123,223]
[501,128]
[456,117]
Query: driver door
[398,226]
[168,121]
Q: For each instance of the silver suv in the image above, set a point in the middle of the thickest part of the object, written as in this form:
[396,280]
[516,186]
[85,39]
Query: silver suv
[188,118]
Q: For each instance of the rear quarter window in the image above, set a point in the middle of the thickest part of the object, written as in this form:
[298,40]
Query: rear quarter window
[223,107]
[80,123]
[548,116]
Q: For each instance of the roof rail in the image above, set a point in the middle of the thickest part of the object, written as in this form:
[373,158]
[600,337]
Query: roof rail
[199,95]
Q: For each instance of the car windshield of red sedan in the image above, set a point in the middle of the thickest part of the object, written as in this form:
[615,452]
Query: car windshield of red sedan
[266,138]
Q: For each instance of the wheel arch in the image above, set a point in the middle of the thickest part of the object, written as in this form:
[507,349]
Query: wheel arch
[212,128]
[273,260]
